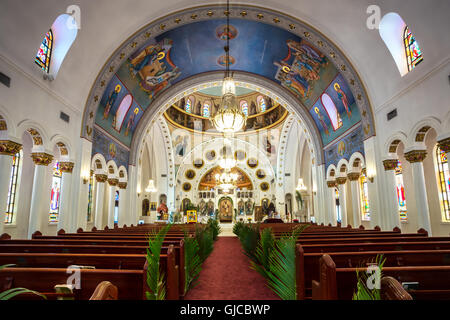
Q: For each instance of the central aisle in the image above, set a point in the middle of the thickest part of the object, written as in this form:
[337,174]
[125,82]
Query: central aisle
[226,275]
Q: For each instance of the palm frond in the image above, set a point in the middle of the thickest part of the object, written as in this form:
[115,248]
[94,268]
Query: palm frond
[192,262]
[11,293]
[363,292]
[155,276]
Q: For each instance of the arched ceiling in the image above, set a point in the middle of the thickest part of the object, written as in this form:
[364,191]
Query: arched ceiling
[106,24]
[187,44]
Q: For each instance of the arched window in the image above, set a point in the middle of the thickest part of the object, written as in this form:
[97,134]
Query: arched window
[12,190]
[56,44]
[188,106]
[444,183]
[332,111]
[90,195]
[364,192]
[207,109]
[44,53]
[262,104]
[244,107]
[122,111]
[401,198]
[116,208]
[413,52]
[401,42]
[55,193]
[338,205]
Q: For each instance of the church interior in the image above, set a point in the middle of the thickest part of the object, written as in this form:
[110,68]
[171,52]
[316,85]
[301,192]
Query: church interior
[189,127]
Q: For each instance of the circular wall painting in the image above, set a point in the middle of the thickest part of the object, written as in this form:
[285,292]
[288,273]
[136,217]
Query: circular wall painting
[222,61]
[187,186]
[240,155]
[223,32]
[264,186]
[210,155]
[252,163]
[198,163]
[190,174]
[260,174]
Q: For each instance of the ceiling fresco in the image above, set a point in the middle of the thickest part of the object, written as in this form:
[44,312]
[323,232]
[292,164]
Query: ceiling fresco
[255,47]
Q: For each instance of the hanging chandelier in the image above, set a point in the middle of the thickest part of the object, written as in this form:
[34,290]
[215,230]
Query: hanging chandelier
[151,187]
[227,180]
[229,117]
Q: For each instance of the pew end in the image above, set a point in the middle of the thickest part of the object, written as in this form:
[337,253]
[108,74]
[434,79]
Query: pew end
[36,234]
[105,291]
[80,230]
[61,232]
[391,289]
[5,236]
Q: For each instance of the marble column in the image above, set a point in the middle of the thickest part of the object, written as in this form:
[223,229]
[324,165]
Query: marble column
[112,183]
[99,199]
[416,157]
[341,182]
[353,177]
[124,213]
[66,192]
[331,215]
[38,195]
[393,216]
[7,150]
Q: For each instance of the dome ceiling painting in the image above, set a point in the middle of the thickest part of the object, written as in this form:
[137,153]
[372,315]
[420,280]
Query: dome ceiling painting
[197,48]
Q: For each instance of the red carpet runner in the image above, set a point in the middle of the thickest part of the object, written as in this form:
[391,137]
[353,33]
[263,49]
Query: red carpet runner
[226,275]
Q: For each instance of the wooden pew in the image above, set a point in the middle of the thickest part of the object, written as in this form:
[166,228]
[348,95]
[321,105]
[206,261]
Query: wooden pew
[340,283]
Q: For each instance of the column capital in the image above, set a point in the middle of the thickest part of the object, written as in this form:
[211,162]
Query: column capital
[113,182]
[390,164]
[101,177]
[42,158]
[9,148]
[444,145]
[353,176]
[331,184]
[416,156]
[341,180]
[66,166]
[122,185]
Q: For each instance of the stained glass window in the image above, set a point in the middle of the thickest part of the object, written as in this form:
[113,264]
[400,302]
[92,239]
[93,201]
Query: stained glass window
[444,183]
[188,106]
[364,193]
[44,54]
[413,52]
[401,198]
[244,107]
[338,206]
[206,110]
[90,194]
[262,104]
[116,208]
[11,202]
[55,194]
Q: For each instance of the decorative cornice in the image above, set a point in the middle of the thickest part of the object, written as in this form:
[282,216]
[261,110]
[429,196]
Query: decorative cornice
[331,184]
[353,176]
[101,177]
[42,158]
[341,180]
[113,182]
[122,185]
[416,156]
[66,166]
[444,145]
[390,164]
[9,148]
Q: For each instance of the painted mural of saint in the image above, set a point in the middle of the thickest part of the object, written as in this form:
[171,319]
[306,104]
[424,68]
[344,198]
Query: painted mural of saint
[130,122]
[111,100]
[322,122]
[343,97]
